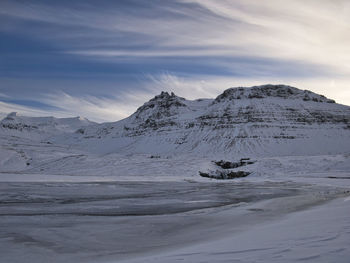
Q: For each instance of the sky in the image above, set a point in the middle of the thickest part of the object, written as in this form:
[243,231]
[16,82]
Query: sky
[103,59]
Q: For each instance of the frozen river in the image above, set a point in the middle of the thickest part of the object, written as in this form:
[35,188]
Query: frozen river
[110,221]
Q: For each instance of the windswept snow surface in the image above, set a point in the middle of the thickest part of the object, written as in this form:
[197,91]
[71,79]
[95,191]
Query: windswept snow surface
[320,234]
[169,221]
[130,191]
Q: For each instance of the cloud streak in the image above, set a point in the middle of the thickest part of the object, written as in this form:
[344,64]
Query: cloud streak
[317,32]
[196,48]
[95,108]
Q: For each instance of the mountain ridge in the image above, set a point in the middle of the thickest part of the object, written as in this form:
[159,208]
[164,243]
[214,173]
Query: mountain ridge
[267,119]
[259,120]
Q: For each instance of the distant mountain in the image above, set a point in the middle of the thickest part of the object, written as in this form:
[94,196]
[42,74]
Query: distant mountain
[260,120]
[40,127]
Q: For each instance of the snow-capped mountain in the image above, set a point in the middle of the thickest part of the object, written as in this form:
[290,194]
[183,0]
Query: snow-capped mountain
[40,127]
[260,120]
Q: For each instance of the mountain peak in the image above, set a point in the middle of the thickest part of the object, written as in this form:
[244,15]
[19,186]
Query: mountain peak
[165,98]
[270,90]
[162,105]
[165,95]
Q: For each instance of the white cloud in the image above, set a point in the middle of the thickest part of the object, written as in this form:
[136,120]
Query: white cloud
[315,31]
[94,108]
[312,32]
[185,87]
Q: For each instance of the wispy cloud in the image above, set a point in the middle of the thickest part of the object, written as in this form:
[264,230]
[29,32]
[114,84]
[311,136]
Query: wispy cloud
[185,87]
[6,108]
[196,48]
[314,32]
[95,108]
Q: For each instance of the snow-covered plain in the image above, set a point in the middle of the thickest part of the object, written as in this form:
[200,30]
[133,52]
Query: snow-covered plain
[130,191]
[169,221]
[319,234]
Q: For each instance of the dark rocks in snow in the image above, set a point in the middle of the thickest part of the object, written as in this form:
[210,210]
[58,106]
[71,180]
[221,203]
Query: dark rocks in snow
[225,171]
[222,175]
[18,126]
[231,165]
[153,124]
[80,131]
[227,165]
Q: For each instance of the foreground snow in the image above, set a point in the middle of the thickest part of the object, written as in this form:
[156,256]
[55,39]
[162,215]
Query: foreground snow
[320,234]
[171,220]
[70,205]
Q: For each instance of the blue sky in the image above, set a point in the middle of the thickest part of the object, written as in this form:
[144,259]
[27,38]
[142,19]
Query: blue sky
[103,59]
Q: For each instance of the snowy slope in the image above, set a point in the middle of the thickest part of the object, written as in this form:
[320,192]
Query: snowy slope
[266,120]
[25,141]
